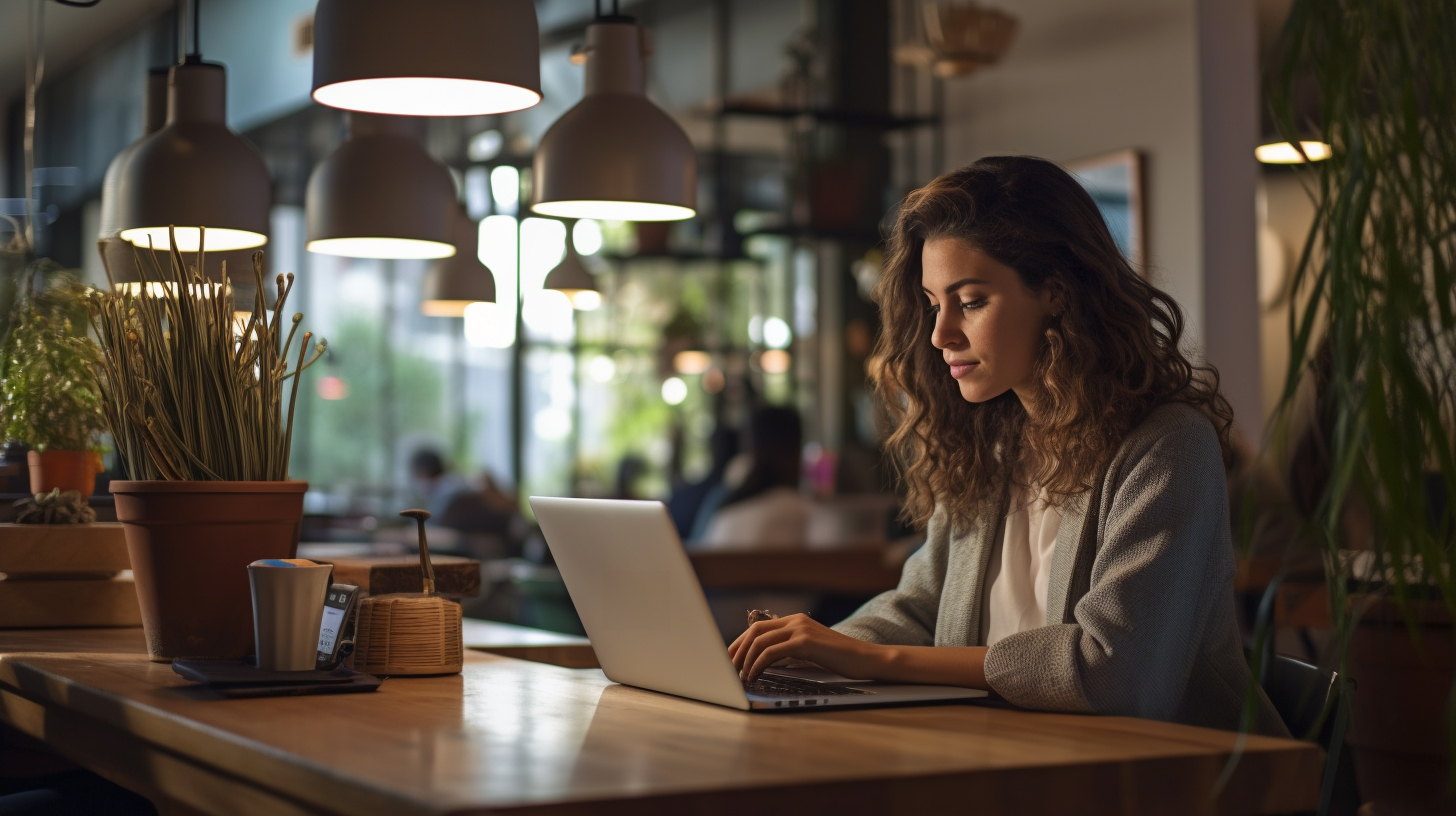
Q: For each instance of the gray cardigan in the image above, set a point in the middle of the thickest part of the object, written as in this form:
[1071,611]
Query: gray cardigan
[1149,629]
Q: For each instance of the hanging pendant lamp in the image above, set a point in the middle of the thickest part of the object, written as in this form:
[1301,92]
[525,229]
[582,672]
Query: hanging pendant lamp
[194,172]
[119,257]
[615,156]
[571,278]
[154,116]
[427,57]
[1275,151]
[453,283]
[380,195]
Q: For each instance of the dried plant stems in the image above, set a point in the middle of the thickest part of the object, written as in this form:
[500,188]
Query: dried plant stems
[188,393]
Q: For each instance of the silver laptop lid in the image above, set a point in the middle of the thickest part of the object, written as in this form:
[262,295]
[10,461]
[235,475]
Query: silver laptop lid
[638,597]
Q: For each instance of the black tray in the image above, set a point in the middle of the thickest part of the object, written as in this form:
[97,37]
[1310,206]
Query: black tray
[236,678]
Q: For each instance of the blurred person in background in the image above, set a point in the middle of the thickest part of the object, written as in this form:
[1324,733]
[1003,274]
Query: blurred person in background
[630,471]
[766,510]
[689,499]
[435,486]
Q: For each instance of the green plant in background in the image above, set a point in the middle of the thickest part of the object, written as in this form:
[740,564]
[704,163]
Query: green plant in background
[190,392]
[48,392]
[1373,321]
[347,443]
[1382,291]
[13,266]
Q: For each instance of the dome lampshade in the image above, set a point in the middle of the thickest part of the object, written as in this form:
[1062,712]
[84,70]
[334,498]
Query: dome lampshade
[380,195]
[453,283]
[571,278]
[194,172]
[615,156]
[154,116]
[427,57]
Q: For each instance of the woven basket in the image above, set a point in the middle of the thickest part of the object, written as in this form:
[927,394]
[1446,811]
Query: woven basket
[408,634]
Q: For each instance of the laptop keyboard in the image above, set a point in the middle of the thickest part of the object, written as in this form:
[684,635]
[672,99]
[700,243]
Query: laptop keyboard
[788,687]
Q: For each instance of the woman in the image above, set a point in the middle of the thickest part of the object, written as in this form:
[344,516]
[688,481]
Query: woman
[1067,459]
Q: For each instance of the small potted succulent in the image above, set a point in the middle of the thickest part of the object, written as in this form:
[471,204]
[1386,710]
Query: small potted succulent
[48,394]
[200,409]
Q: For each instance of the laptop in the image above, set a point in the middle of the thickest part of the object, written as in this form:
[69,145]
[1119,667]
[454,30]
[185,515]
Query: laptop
[649,623]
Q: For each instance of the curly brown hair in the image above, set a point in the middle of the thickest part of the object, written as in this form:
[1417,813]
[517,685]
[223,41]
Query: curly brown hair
[1106,361]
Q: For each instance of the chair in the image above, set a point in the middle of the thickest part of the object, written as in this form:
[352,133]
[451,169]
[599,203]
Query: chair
[1314,704]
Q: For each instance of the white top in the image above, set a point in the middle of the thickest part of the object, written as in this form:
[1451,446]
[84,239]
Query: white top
[775,520]
[1020,566]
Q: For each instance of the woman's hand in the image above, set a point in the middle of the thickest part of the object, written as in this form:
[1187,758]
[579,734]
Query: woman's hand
[799,636]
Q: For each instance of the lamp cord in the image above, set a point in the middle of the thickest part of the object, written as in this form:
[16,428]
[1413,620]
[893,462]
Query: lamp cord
[189,12]
[35,71]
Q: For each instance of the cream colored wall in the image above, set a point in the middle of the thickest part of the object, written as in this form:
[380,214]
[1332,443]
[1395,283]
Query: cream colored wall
[1287,211]
[1085,78]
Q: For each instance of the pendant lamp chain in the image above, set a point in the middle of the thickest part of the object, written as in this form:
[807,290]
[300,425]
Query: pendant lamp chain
[35,71]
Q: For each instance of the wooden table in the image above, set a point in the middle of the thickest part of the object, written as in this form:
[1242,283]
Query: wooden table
[512,736]
[509,640]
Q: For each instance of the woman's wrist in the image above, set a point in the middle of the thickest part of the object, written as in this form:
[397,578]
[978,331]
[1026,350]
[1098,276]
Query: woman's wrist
[882,660]
[938,665]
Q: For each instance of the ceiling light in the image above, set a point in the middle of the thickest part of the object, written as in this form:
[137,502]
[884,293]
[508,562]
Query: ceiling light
[571,278]
[453,283]
[775,361]
[380,195]
[484,146]
[615,156]
[692,361]
[154,116]
[194,172]
[1287,153]
[601,368]
[776,333]
[674,390]
[427,57]
[713,381]
[586,236]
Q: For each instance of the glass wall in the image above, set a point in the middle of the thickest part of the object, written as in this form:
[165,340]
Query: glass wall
[677,344]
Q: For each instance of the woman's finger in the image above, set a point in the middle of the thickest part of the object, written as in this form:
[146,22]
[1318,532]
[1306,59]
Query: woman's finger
[753,635]
[760,643]
[749,634]
[770,656]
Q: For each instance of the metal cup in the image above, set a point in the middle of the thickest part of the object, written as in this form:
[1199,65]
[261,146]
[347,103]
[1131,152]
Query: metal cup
[288,606]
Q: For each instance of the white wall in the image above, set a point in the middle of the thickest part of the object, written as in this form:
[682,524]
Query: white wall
[1085,78]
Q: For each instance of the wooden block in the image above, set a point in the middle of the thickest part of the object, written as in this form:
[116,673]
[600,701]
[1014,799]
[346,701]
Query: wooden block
[62,549]
[65,603]
[380,575]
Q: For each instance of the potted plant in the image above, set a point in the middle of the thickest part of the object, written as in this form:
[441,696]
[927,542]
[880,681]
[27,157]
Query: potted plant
[201,412]
[1373,336]
[48,395]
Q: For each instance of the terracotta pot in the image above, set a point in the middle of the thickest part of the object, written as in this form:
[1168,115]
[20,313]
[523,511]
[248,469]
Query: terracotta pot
[68,470]
[1398,723]
[190,545]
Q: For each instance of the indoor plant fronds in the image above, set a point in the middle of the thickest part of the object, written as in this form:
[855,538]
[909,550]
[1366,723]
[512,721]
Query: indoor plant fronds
[191,392]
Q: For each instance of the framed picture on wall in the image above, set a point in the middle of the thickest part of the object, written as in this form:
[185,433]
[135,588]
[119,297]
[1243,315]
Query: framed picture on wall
[1115,181]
